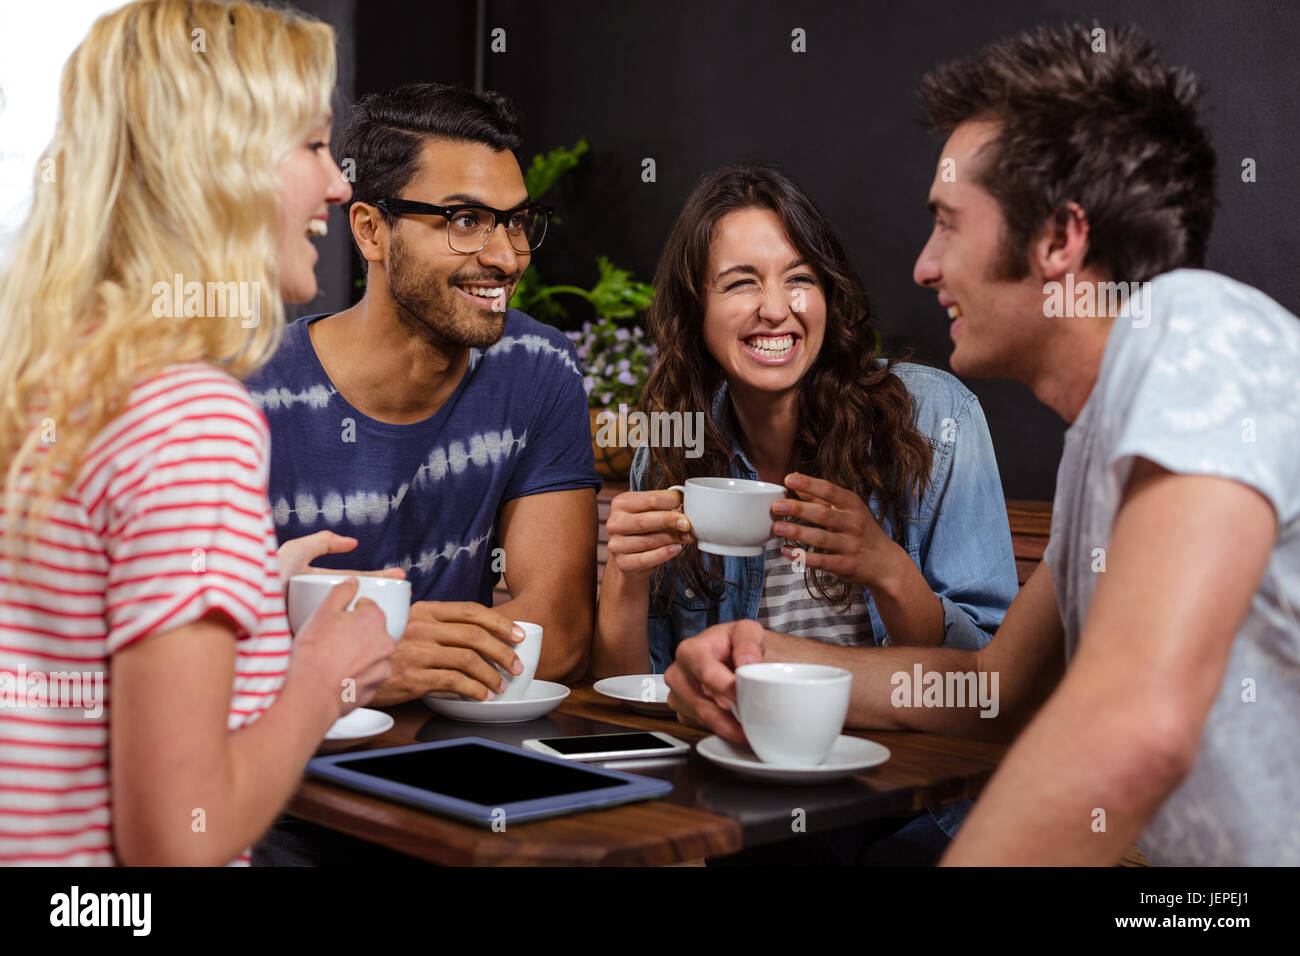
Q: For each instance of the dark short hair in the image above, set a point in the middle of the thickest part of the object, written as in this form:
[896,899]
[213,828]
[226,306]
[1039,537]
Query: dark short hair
[1115,131]
[386,132]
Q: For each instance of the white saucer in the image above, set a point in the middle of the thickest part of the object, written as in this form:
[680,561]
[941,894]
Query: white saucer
[361,726]
[848,756]
[632,690]
[543,696]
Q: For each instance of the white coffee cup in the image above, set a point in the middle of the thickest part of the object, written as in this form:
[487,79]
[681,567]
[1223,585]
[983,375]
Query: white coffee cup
[792,713]
[731,516]
[307,591]
[529,652]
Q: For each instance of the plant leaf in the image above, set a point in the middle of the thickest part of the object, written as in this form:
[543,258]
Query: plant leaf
[546,169]
[616,294]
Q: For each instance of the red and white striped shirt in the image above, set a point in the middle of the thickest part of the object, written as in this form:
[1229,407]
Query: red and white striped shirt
[167,521]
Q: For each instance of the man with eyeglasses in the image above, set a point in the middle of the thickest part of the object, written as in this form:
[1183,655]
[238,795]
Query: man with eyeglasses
[444,432]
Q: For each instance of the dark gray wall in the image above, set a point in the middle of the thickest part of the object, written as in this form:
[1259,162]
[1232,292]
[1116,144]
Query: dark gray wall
[697,84]
[333,271]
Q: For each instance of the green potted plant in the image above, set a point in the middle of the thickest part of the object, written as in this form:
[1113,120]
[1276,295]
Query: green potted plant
[617,361]
[615,355]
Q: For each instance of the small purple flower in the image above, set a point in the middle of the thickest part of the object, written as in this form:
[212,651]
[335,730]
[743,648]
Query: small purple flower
[583,352]
[606,398]
[638,332]
[624,365]
[588,383]
[627,378]
[622,335]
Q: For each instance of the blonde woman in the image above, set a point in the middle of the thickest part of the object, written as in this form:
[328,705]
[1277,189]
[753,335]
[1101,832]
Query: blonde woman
[138,549]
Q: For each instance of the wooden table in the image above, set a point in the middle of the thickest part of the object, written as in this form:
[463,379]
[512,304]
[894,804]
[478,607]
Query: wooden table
[711,811]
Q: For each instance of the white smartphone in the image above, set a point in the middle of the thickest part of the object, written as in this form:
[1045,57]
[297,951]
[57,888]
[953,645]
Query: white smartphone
[641,743]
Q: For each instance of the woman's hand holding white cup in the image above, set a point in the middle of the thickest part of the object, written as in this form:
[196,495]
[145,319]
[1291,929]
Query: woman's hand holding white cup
[646,528]
[335,645]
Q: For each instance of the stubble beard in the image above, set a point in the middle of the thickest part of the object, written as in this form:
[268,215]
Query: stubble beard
[432,309]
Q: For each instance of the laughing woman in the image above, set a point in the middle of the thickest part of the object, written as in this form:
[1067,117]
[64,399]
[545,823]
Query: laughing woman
[896,514]
[898,518]
[138,551]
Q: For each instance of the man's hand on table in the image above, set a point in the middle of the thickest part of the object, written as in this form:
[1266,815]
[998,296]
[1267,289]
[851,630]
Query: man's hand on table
[450,646]
[702,680]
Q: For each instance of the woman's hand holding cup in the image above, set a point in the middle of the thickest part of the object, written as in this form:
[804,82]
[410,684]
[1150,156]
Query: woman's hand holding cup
[646,528]
[850,542]
[338,649]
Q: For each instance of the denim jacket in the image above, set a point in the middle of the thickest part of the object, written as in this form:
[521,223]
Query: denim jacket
[958,536]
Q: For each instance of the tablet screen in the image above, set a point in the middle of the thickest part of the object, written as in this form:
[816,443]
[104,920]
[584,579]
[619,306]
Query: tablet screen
[481,775]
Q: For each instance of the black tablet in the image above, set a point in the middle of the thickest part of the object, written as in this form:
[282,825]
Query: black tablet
[484,782]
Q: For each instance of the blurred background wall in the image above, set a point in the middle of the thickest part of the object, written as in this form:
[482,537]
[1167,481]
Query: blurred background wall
[33,48]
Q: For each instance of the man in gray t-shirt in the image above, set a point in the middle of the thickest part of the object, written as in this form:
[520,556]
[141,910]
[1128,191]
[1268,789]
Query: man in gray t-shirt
[1207,383]
[1149,669]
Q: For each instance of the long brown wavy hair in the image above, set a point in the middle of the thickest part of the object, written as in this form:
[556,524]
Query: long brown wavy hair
[856,417]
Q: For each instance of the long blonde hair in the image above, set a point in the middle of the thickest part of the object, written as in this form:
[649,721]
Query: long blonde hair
[173,117]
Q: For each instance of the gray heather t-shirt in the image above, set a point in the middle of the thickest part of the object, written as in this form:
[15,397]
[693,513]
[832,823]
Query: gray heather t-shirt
[1211,386]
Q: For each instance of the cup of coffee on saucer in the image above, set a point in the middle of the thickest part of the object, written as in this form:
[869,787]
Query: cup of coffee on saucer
[730,516]
[792,714]
[524,698]
[307,591]
[529,652]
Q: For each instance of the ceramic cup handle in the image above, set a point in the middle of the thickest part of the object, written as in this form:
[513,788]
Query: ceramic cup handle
[681,488]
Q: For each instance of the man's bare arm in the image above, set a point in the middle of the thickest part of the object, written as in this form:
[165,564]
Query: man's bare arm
[1027,655]
[549,546]
[1184,560]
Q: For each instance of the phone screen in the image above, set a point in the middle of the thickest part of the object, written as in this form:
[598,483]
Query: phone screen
[606,743]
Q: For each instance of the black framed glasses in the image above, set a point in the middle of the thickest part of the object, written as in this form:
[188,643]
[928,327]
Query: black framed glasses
[470,227]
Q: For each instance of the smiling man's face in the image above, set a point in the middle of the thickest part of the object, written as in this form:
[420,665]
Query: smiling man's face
[996,324]
[446,295]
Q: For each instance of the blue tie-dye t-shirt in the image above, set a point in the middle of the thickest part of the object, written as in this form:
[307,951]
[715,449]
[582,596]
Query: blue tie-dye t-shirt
[426,496]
